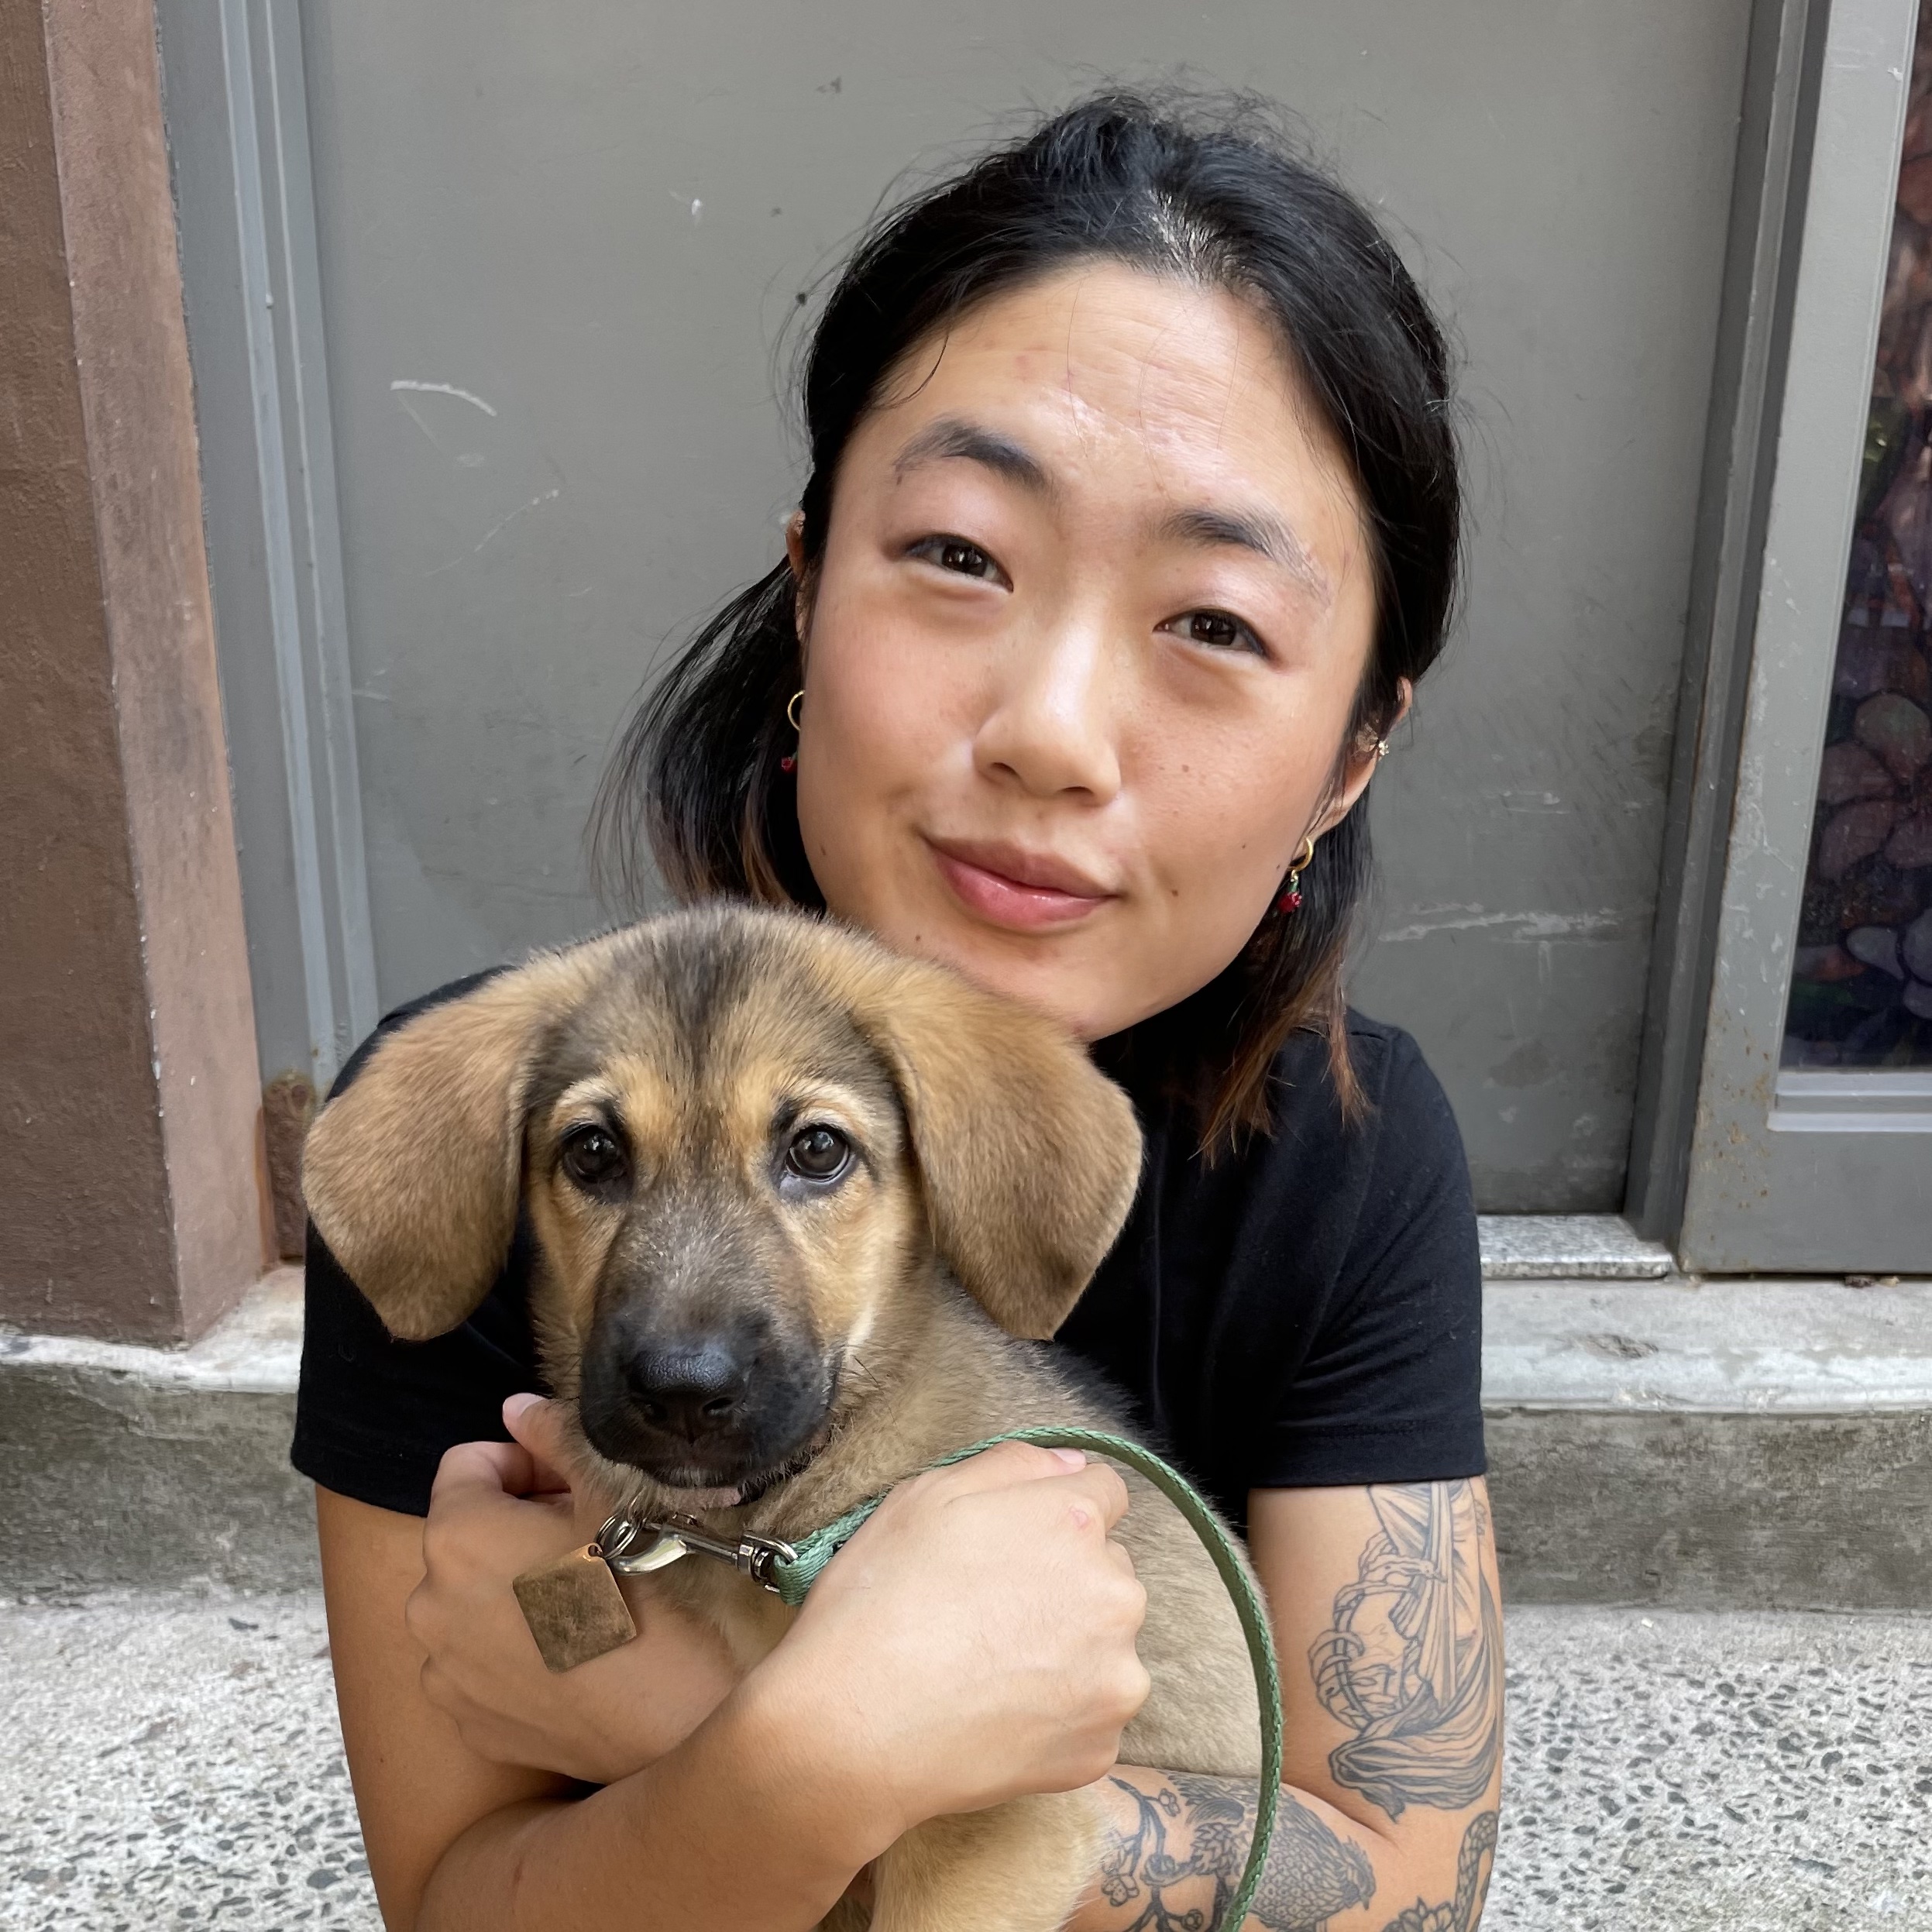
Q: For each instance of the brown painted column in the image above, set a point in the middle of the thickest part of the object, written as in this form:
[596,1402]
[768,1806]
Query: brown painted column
[130,1204]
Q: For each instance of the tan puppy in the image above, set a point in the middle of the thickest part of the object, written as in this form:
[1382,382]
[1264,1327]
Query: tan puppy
[763,1158]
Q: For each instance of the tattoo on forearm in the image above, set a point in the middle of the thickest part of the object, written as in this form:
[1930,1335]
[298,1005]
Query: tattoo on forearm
[1472,1866]
[1413,1662]
[1312,1875]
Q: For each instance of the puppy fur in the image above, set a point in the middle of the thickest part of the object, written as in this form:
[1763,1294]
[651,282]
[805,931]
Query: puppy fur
[641,1097]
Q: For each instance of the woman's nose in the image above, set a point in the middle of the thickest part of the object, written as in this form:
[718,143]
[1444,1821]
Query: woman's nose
[1051,727]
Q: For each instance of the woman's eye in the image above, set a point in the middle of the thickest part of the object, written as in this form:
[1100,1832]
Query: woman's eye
[592,1157]
[1217,631]
[961,559]
[819,1153]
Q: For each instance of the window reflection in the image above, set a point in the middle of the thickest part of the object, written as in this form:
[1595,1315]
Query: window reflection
[1861,980]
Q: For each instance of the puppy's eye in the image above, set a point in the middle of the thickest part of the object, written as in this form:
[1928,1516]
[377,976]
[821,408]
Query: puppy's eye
[819,1153]
[592,1157]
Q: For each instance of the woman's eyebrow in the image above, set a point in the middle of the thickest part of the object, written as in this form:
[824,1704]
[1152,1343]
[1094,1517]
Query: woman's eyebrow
[1256,530]
[953,436]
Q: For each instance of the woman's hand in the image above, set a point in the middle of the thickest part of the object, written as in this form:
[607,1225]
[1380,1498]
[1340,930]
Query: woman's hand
[974,1641]
[498,1509]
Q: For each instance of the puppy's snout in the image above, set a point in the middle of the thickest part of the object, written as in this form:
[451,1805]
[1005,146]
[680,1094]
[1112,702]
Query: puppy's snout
[692,1389]
[699,1374]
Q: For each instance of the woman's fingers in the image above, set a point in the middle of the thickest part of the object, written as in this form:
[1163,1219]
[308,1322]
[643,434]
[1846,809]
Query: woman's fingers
[480,1665]
[1007,1462]
[538,1425]
[1100,1485]
[474,1471]
[1062,1473]
[485,1497]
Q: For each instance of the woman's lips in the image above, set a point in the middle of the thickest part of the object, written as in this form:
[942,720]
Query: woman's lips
[1016,889]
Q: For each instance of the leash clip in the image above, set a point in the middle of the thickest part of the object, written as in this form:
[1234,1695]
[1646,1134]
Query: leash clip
[635,1546]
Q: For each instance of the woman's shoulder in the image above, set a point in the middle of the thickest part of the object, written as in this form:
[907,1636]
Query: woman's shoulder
[373,1414]
[1332,1199]
[1383,1199]
[1329,1274]
[1405,1114]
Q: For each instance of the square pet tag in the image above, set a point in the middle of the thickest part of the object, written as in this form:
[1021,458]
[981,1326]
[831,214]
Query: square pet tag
[574,1608]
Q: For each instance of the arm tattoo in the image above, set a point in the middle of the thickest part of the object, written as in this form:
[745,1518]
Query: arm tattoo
[1312,1875]
[1472,1865]
[1412,1663]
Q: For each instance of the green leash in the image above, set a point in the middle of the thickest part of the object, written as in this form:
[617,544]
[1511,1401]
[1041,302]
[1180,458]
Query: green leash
[792,1576]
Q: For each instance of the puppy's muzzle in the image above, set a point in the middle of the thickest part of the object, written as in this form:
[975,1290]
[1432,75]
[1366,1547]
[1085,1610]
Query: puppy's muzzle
[706,1406]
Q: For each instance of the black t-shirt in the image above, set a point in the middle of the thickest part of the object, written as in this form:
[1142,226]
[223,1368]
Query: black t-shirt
[1305,1312]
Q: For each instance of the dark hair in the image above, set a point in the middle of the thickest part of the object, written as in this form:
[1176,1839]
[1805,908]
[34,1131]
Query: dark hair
[1212,197]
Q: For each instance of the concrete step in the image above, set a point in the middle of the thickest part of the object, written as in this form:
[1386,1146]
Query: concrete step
[174,1760]
[1563,1247]
[1712,1445]
[1736,1444]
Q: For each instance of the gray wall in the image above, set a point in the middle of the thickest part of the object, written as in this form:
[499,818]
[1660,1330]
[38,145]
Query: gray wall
[597,216]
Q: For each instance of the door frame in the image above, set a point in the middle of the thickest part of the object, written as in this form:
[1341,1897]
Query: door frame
[236,100]
[1777,133]
[1786,1171]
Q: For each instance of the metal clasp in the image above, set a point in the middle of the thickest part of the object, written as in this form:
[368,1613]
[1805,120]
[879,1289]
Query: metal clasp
[635,1546]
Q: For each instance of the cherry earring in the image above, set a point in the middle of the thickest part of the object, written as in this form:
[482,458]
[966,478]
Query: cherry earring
[1290,899]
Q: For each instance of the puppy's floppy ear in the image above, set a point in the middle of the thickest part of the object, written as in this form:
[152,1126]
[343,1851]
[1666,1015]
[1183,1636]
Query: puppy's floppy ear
[413,1174]
[1029,1155]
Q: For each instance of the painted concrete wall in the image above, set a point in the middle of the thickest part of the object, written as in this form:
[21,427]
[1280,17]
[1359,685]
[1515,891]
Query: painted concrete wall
[560,249]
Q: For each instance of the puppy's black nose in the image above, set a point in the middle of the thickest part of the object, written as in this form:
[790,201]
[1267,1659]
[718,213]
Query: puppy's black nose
[693,1391]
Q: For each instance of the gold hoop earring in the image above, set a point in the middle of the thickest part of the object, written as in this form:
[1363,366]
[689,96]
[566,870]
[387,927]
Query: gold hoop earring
[1290,899]
[790,761]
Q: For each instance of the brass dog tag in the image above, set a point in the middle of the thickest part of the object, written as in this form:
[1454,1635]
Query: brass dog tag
[574,1608]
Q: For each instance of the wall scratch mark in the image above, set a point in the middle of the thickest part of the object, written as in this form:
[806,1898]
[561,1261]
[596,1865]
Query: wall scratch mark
[497,528]
[442,389]
[1607,923]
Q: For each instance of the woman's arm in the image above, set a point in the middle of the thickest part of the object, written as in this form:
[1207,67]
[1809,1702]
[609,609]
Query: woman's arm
[457,1842]
[1387,1619]
[995,1578]
[418,1787]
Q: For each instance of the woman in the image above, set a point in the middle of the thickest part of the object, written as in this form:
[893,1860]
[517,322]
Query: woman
[1132,518]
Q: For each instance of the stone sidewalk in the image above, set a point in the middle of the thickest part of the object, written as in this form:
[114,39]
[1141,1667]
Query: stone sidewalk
[173,1761]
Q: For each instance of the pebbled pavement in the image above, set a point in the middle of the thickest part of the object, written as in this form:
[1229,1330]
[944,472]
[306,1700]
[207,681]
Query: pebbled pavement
[173,1761]
[1739,1772]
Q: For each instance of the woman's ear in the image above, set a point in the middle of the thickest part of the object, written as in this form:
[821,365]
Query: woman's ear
[1360,759]
[1029,1156]
[413,1173]
[801,575]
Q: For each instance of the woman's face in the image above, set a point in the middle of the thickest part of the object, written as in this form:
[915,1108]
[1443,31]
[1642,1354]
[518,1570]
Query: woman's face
[1079,656]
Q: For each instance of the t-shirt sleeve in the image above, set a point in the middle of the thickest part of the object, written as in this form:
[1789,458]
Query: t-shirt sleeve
[1389,1388]
[374,1415]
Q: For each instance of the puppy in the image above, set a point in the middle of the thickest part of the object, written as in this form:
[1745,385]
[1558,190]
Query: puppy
[803,1212]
